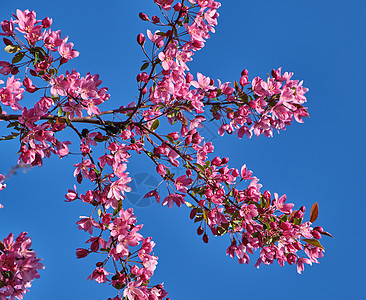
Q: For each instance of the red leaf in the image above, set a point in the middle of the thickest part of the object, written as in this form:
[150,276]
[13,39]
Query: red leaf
[314,212]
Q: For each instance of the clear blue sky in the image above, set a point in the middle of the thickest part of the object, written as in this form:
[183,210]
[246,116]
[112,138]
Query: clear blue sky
[322,160]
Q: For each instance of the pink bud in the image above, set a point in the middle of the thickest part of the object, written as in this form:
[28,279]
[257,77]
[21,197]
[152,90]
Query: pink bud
[81,253]
[199,230]
[155,19]
[161,169]
[143,16]
[216,161]
[144,91]
[318,228]
[189,77]
[174,135]
[244,72]
[178,6]
[205,238]
[267,195]
[141,39]
[299,214]
[225,160]
[7,27]
[316,234]
[47,22]
[235,173]
[243,80]
[29,87]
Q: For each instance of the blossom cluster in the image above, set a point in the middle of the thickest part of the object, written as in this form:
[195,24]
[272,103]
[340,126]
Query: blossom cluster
[216,194]
[19,265]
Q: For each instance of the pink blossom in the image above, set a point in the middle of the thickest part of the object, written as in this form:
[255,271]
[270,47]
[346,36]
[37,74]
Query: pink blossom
[178,199]
[279,203]
[300,264]
[99,275]
[5,67]
[66,50]
[182,182]
[153,193]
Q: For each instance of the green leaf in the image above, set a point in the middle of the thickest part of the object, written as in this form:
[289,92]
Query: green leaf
[313,242]
[200,167]
[13,124]
[161,33]
[9,137]
[17,57]
[12,48]
[155,125]
[99,212]
[59,112]
[144,66]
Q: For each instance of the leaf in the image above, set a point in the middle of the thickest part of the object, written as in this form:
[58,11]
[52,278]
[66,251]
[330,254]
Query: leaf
[12,48]
[205,216]
[155,125]
[327,234]
[189,204]
[314,212]
[144,66]
[13,124]
[17,57]
[200,167]
[59,112]
[314,242]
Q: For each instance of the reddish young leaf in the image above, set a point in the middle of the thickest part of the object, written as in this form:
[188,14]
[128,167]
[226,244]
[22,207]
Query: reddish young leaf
[314,212]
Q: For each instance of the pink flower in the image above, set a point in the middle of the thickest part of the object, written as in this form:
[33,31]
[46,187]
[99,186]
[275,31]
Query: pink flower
[133,291]
[5,67]
[300,264]
[99,275]
[7,27]
[279,203]
[119,187]
[182,182]
[153,193]
[164,4]
[178,199]
[202,83]
[66,50]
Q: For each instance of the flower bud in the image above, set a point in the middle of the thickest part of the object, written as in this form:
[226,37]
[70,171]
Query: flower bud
[243,80]
[189,77]
[47,22]
[141,39]
[267,195]
[235,173]
[199,230]
[318,228]
[81,253]
[316,234]
[155,19]
[299,214]
[7,27]
[244,72]
[143,16]
[205,238]
[225,160]
[178,6]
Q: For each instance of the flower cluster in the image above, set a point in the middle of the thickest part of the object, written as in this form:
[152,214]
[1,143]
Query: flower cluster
[222,204]
[19,265]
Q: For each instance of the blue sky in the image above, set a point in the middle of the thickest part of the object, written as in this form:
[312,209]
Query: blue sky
[322,160]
